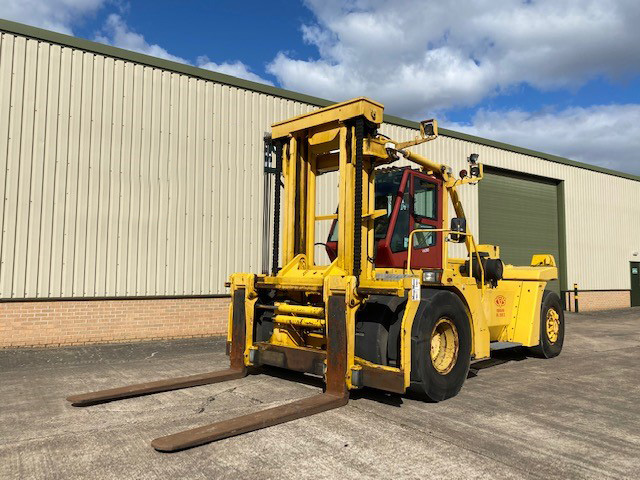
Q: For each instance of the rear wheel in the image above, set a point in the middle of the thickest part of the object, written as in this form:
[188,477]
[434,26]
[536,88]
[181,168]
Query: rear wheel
[551,327]
[440,347]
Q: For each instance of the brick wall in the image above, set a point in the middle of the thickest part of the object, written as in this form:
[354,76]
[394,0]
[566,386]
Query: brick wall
[600,300]
[78,322]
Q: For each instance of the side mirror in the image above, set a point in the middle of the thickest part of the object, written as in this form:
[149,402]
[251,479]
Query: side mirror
[458,224]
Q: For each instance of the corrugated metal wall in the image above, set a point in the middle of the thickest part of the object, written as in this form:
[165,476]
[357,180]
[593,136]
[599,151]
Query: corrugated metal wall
[119,179]
[125,180]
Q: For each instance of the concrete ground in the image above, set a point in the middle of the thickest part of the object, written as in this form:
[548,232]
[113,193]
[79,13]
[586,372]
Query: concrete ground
[576,416]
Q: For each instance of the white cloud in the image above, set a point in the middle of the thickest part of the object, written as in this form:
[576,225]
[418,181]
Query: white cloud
[420,57]
[236,69]
[57,15]
[62,15]
[116,32]
[605,135]
[424,56]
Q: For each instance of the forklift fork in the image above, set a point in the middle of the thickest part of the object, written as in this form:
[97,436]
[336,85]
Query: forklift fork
[250,422]
[140,389]
[335,395]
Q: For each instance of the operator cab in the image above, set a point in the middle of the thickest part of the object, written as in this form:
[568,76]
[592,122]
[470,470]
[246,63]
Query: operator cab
[412,201]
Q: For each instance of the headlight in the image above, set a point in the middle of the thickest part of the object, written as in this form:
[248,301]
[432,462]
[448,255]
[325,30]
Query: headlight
[431,276]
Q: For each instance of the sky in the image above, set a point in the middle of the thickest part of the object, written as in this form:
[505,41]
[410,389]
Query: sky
[558,76]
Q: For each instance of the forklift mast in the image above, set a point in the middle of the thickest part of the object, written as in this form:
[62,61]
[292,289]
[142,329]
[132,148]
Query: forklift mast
[311,148]
[344,138]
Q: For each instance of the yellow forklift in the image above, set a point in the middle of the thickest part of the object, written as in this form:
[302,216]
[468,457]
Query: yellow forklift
[392,310]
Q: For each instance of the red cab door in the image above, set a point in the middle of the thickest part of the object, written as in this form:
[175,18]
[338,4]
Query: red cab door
[426,213]
[417,206]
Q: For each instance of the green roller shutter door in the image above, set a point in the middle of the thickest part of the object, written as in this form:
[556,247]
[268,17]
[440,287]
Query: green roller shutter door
[520,214]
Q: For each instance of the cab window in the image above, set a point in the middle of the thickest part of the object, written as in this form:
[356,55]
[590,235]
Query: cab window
[400,237]
[387,185]
[424,199]
[424,207]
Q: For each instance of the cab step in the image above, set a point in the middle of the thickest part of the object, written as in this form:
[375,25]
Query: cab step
[493,346]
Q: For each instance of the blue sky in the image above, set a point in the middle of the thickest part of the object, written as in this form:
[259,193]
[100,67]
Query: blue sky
[224,31]
[560,76]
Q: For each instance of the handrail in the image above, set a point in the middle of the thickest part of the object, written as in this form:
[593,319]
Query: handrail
[473,244]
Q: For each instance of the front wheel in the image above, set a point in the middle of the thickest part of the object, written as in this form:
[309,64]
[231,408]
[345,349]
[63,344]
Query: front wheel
[551,327]
[440,347]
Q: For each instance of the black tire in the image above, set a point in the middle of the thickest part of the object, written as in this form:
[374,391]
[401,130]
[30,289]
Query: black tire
[426,381]
[371,341]
[547,348]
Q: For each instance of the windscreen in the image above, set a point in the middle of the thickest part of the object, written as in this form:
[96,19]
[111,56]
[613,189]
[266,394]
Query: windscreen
[387,184]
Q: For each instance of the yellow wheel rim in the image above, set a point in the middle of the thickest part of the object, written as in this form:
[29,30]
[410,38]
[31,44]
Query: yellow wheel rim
[553,325]
[444,346]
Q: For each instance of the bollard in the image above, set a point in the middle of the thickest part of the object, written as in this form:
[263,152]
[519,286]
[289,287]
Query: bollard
[575,297]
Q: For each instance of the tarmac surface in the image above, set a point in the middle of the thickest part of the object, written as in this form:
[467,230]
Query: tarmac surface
[575,416]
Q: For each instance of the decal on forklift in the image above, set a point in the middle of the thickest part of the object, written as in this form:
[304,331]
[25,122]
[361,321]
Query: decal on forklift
[415,289]
[500,302]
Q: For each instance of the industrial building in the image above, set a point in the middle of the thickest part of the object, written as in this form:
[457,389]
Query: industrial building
[133,186]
